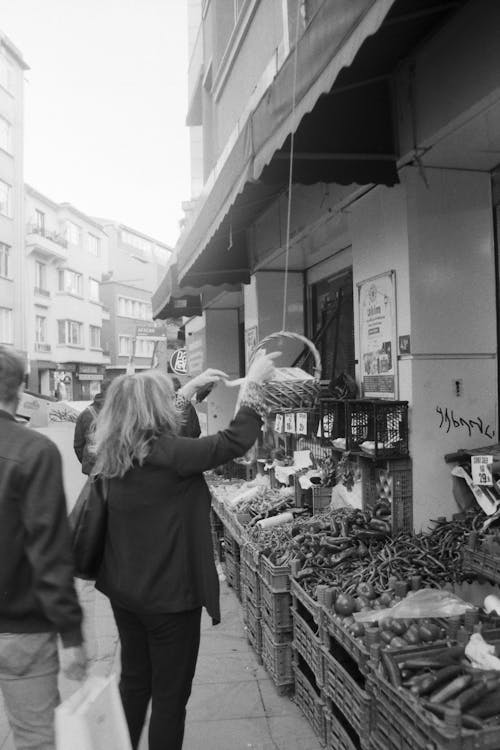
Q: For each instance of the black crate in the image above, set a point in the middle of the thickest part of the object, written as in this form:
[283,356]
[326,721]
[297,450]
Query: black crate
[383,423]
[389,479]
[340,735]
[332,419]
[306,642]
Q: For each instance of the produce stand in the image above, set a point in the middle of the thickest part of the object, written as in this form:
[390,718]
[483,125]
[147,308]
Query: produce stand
[302,580]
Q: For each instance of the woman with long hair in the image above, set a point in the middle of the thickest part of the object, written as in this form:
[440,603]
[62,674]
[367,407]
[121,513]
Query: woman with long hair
[158,568]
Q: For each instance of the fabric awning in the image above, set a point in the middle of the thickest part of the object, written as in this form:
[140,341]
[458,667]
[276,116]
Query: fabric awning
[343,125]
[172,301]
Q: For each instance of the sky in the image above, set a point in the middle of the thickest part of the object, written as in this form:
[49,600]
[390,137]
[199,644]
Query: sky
[105,106]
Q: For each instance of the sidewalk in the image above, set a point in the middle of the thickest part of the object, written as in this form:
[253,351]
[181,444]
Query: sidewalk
[233,706]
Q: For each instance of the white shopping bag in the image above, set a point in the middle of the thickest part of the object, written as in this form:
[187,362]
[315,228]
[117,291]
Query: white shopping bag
[92,718]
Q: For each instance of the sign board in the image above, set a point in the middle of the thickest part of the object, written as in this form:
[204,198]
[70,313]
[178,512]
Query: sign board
[90,376]
[178,361]
[377,336]
[152,333]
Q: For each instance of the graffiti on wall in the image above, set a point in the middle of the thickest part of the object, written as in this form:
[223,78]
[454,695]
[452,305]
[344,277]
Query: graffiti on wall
[449,420]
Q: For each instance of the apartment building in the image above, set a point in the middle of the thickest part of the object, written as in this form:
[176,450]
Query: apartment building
[12,267]
[67,256]
[136,263]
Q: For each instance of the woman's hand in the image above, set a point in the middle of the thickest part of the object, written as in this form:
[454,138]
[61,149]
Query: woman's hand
[262,367]
[209,376]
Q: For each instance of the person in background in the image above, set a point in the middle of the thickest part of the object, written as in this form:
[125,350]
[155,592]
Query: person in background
[158,567]
[37,600]
[83,428]
[190,426]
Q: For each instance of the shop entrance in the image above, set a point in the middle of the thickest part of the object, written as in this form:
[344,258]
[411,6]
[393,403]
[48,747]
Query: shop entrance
[332,324]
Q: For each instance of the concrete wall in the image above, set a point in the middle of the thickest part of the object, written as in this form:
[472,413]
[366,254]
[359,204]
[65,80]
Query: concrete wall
[439,241]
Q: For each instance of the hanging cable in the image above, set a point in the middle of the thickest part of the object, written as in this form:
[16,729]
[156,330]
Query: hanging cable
[290,170]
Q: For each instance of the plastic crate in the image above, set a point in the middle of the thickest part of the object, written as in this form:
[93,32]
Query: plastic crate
[483,564]
[231,545]
[382,422]
[389,480]
[276,609]
[277,577]
[403,724]
[307,643]
[331,628]
[277,659]
[253,624]
[332,421]
[308,699]
[339,735]
[321,498]
[301,598]
[341,685]
[249,571]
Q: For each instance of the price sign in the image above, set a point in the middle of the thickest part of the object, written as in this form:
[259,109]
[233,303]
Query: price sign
[301,423]
[289,422]
[481,474]
[278,423]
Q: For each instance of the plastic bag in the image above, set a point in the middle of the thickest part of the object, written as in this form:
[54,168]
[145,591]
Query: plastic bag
[421,603]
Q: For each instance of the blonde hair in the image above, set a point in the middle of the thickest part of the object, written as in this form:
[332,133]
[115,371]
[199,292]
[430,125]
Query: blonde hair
[136,410]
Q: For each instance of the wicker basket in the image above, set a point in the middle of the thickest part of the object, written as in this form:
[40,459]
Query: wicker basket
[283,395]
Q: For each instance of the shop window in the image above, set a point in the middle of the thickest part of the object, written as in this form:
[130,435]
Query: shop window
[332,324]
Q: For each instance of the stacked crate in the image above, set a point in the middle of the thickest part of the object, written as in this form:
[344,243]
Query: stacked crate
[232,561]
[250,595]
[345,670]
[308,659]
[276,616]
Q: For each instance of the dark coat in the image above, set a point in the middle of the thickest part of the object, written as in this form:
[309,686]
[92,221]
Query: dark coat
[83,426]
[36,567]
[159,555]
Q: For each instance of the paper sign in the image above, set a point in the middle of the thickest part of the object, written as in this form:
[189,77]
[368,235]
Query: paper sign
[481,474]
[289,422]
[302,459]
[278,423]
[301,423]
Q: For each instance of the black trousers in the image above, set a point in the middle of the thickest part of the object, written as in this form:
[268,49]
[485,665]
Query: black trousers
[158,659]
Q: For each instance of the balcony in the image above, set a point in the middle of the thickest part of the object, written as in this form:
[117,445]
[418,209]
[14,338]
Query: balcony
[40,292]
[45,242]
[42,347]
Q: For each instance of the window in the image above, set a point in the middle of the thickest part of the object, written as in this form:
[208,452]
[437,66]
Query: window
[140,243]
[94,245]
[144,348]
[6,326]
[6,74]
[69,332]
[40,221]
[5,135]
[70,282]
[134,308]
[124,346]
[94,290]
[40,275]
[5,199]
[73,233]
[95,337]
[4,260]
[40,329]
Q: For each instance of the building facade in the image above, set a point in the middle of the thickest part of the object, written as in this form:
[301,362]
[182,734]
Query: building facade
[385,250]
[12,266]
[136,264]
[66,258]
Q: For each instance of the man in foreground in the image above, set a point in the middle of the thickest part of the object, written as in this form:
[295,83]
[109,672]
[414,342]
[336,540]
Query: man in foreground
[37,596]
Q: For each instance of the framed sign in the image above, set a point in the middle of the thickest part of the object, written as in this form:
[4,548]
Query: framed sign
[377,336]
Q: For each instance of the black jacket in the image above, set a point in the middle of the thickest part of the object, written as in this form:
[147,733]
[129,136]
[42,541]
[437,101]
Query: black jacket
[36,568]
[159,555]
[83,425]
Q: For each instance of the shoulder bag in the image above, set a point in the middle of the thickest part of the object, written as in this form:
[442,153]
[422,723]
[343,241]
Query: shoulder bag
[88,522]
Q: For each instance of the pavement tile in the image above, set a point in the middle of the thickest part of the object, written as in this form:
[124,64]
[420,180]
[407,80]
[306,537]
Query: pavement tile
[275,704]
[291,732]
[234,667]
[232,700]
[226,734]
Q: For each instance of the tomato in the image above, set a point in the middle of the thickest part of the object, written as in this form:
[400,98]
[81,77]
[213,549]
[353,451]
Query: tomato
[344,605]
[366,589]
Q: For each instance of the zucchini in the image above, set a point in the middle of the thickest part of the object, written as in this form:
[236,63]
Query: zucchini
[451,689]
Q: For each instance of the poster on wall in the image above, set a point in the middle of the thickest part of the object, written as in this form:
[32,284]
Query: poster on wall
[377,336]
[251,340]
